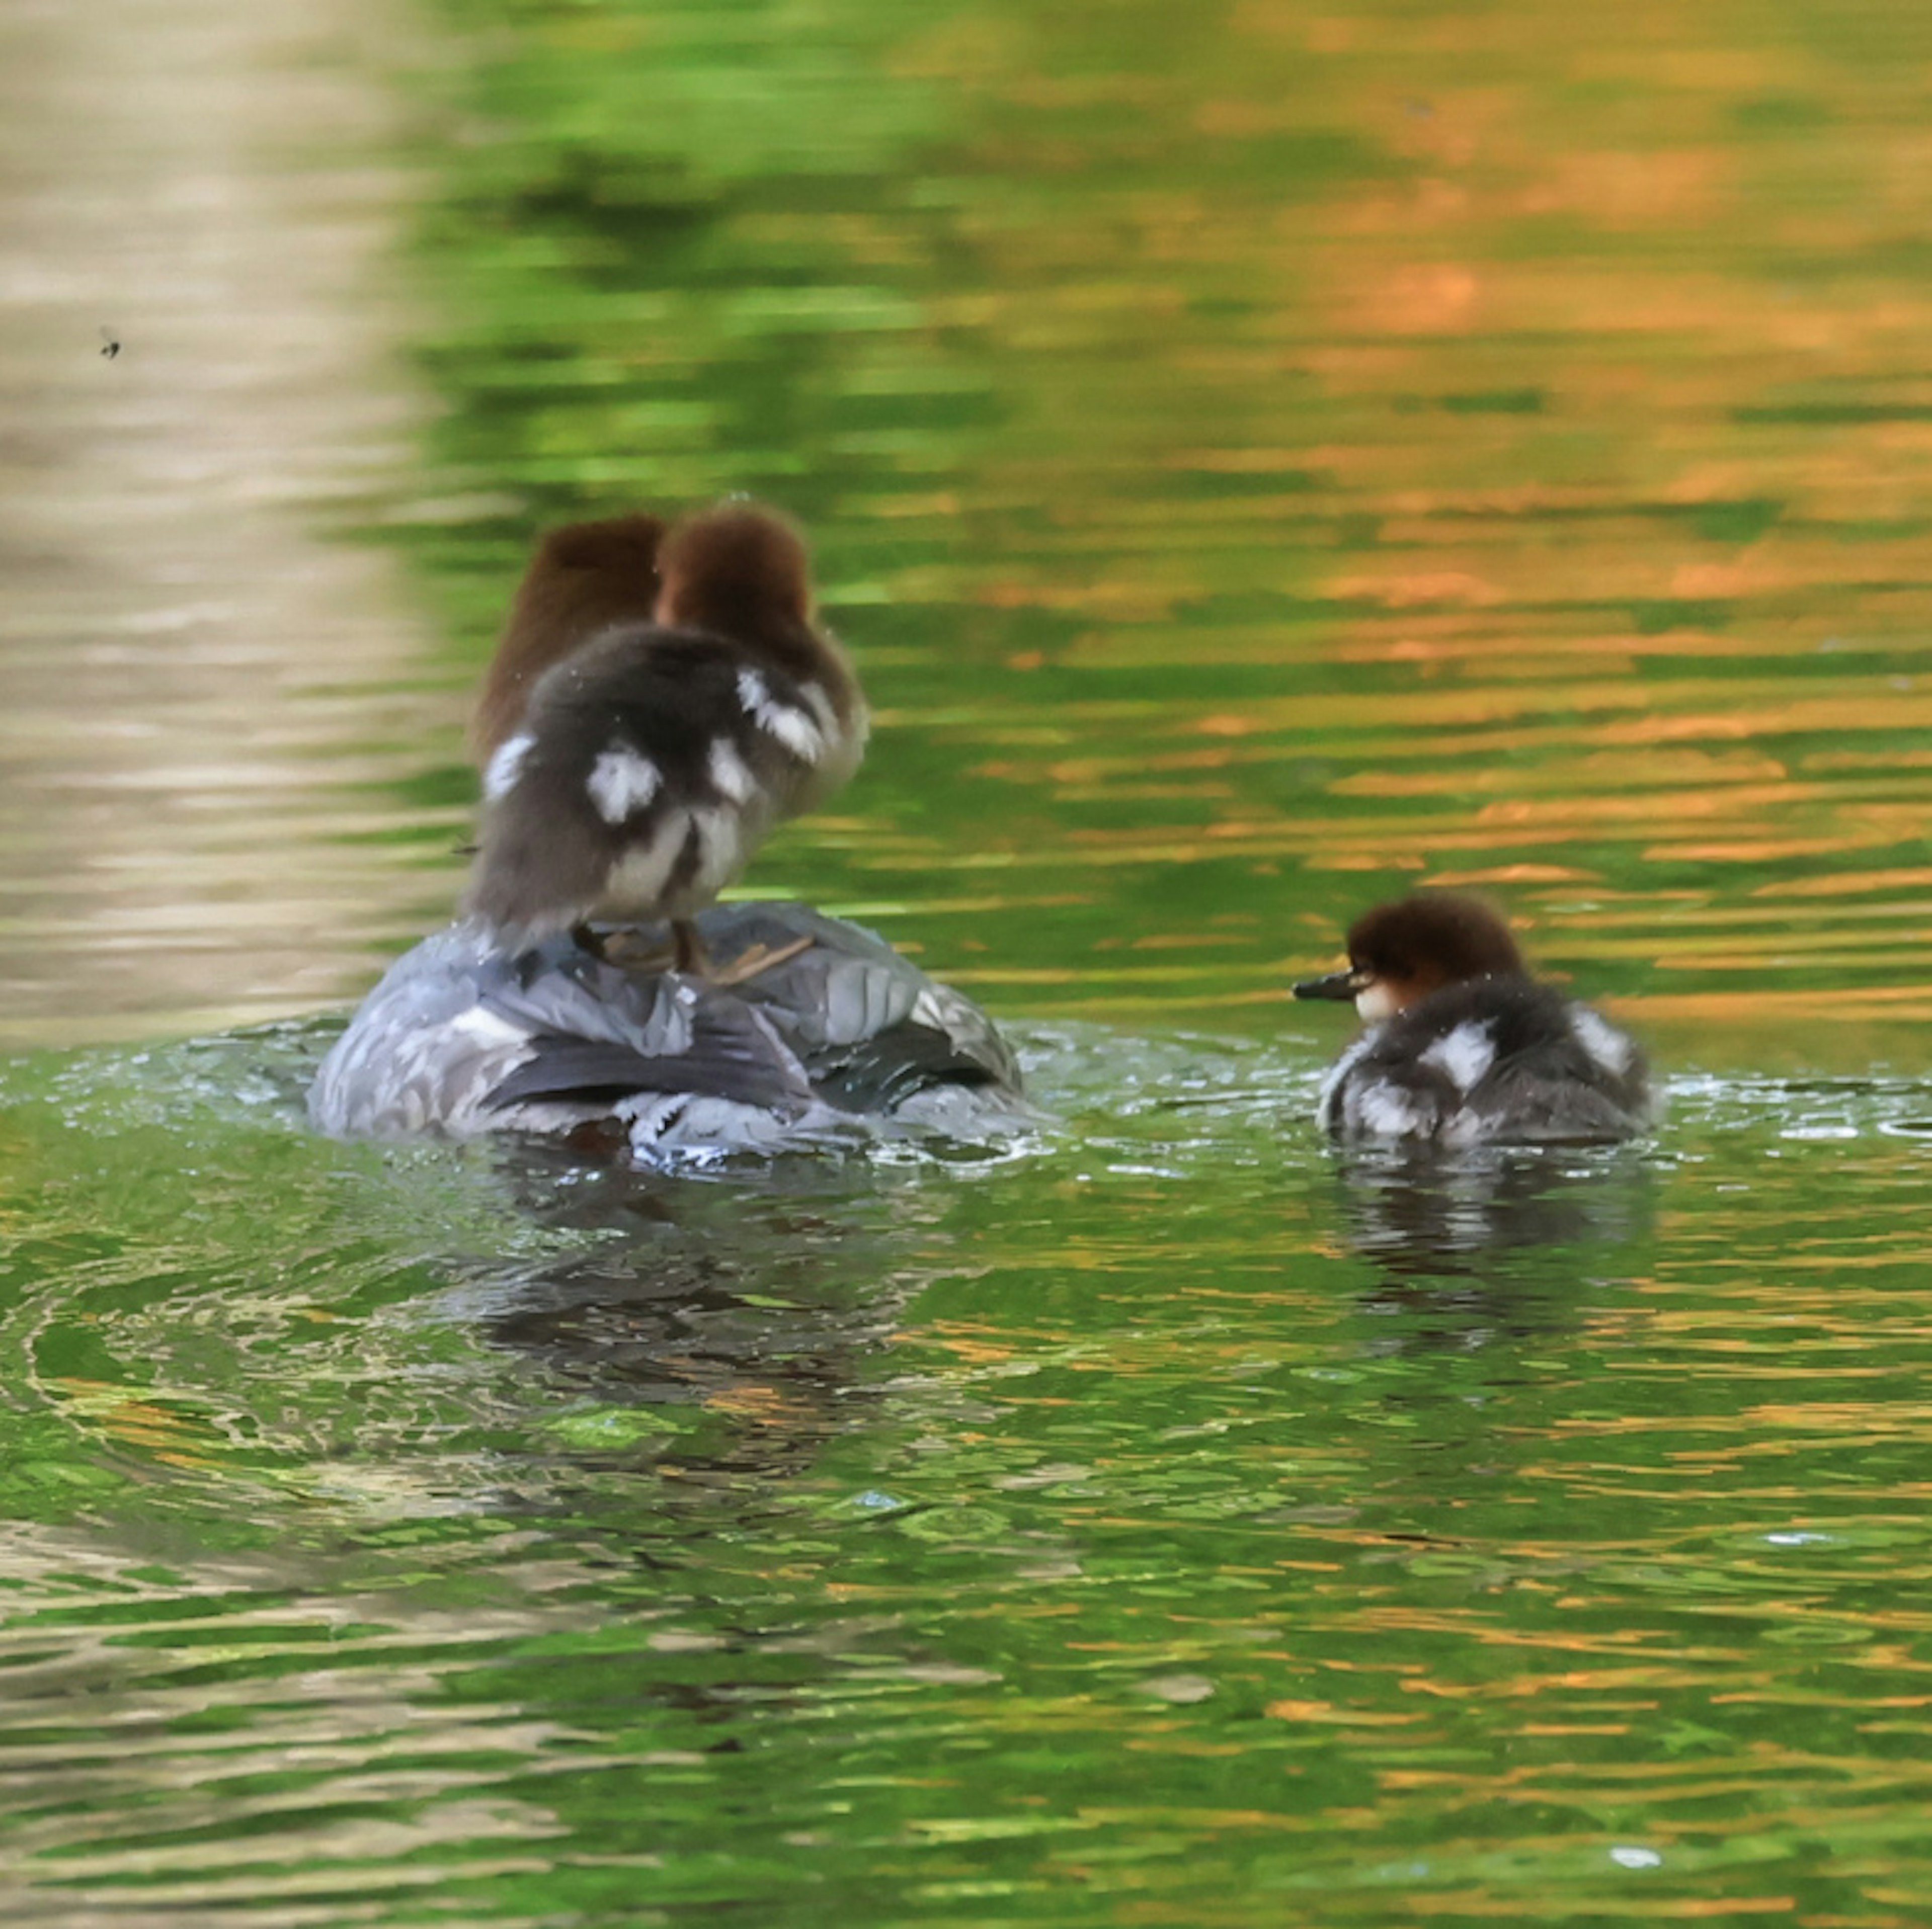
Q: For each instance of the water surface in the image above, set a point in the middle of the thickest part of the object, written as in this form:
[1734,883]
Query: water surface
[1260,460]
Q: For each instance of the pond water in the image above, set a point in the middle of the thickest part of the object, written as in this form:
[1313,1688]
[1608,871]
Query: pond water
[1259,460]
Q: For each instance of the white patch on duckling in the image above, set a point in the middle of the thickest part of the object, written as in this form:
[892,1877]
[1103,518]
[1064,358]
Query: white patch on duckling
[1602,1041]
[1464,1054]
[1387,1111]
[792,727]
[731,776]
[1328,1107]
[647,880]
[623,782]
[506,765]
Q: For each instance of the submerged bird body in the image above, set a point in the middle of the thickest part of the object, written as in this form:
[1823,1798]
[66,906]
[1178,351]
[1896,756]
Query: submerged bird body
[1490,1060]
[1464,1047]
[464,1037]
[649,760]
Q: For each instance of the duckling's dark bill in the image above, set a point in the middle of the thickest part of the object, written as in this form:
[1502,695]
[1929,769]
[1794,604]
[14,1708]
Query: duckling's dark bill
[1342,985]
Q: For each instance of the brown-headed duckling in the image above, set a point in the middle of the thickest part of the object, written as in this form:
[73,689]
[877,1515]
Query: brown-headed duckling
[649,759]
[1464,1046]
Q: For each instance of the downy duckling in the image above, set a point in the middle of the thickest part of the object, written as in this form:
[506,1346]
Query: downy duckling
[1464,1048]
[648,763]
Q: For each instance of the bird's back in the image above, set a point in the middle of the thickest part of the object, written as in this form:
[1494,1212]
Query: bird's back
[467,1036]
[1491,1059]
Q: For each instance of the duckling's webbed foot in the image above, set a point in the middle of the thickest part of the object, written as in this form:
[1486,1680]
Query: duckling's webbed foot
[687,951]
[756,959]
[630,950]
[625,949]
[687,954]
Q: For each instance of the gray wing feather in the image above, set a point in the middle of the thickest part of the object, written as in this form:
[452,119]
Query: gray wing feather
[729,1053]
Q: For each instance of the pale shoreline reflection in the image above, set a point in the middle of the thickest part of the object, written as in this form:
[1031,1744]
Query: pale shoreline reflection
[202,699]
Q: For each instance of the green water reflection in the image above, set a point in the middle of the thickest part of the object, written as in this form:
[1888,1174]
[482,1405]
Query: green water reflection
[1258,458]
[1171,1525]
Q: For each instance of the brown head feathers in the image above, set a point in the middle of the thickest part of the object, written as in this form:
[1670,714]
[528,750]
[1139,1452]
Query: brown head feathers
[738,569]
[1435,938]
[585,578]
[1399,952]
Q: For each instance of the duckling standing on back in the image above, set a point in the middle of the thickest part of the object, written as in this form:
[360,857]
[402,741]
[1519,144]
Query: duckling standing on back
[647,764]
[1464,1047]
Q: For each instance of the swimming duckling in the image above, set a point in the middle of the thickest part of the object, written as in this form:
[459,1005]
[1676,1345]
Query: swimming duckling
[1463,1047]
[648,763]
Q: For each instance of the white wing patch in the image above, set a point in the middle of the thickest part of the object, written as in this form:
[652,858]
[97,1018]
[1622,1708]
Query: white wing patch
[1601,1040]
[623,782]
[1464,1054]
[1328,1106]
[479,1027]
[506,765]
[731,776]
[798,733]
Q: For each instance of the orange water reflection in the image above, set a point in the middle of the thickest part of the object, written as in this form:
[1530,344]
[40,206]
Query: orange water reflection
[1257,463]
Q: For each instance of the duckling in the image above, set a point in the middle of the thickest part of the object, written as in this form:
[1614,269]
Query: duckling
[647,763]
[585,578]
[1464,1047]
